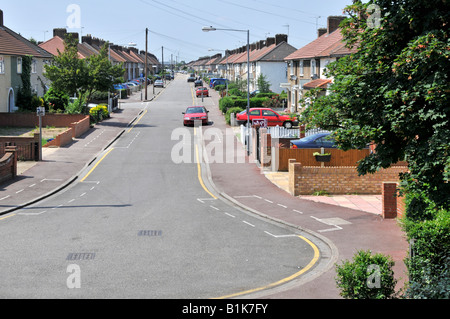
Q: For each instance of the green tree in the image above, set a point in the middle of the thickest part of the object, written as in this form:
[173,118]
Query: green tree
[102,73]
[263,84]
[68,73]
[395,92]
[82,77]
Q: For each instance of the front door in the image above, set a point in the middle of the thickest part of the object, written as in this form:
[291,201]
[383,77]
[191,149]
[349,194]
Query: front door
[11,101]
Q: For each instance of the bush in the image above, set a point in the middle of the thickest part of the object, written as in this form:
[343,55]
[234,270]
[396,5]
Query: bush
[56,101]
[99,96]
[367,277]
[99,112]
[430,260]
[225,103]
[234,110]
[220,87]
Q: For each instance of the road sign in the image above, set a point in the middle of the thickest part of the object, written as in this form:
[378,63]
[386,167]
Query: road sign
[40,111]
[261,122]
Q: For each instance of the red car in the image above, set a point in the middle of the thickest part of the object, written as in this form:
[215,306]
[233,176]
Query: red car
[194,114]
[272,117]
[201,90]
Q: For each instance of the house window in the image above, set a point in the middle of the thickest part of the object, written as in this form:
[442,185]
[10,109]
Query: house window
[34,66]
[19,65]
[301,67]
[2,65]
[313,67]
[291,65]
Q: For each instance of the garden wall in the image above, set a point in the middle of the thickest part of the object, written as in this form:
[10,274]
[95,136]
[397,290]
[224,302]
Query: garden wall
[8,164]
[305,180]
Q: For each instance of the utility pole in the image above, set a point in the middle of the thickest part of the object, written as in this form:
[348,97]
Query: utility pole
[164,77]
[146,63]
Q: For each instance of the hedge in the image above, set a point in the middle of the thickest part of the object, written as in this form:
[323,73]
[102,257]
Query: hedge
[231,102]
[234,110]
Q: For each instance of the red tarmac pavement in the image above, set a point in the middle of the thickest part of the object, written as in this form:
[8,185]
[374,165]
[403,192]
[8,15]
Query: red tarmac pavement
[346,229]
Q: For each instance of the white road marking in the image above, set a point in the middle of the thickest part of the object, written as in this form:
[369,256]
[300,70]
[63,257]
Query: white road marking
[245,222]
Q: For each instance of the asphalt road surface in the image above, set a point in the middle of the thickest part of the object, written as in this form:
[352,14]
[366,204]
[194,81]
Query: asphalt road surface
[142,224]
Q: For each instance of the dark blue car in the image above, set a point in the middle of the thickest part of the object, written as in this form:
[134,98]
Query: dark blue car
[315,141]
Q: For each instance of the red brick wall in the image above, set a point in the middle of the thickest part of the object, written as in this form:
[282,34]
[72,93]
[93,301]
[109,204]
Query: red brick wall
[81,127]
[305,180]
[32,120]
[8,165]
[61,139]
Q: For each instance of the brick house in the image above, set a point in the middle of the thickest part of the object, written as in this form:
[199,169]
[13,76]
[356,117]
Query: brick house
[133,60]
[266,57]
[12,48]
[307,65]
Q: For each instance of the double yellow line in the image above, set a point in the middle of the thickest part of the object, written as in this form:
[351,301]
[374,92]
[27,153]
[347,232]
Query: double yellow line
[284,280]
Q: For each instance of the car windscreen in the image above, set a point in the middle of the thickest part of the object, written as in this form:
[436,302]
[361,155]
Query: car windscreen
[195,110]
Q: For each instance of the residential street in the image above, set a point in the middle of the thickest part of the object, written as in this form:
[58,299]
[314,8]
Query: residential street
[139,225]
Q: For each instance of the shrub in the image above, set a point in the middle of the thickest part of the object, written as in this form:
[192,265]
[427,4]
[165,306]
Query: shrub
[99,96]
[367,277]
[429,263]
[220,87]
[234,110]
[99,112]
[56,101]
[225,103]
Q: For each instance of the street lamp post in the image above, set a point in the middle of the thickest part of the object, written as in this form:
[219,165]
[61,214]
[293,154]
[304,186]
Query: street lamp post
[247,134]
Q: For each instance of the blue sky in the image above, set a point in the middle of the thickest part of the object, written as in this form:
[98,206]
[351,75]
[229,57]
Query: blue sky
[175,25]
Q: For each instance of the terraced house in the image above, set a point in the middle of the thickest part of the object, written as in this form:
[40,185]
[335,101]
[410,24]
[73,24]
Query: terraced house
[307,66]
[13,47]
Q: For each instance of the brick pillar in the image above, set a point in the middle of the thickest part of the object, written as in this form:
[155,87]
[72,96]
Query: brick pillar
[13,150]
[389,200]
[302,131]
[294,172]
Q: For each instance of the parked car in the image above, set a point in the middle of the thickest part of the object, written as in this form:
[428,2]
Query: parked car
[211,81]
[195,113]
[315,141]
[198,83]
[219,82]
[273,118]
[159,83]
[202,90]
[191,79]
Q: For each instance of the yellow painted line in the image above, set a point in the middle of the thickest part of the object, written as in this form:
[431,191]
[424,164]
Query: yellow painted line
[199,174]
[93,168]
[1,218]
[282,281]
[193,97]
[145,112]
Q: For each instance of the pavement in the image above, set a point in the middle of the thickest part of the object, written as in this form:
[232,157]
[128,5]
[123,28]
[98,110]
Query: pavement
[244,184]
[62,166]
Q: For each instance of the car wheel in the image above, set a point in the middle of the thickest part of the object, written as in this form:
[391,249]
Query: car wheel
[287,125]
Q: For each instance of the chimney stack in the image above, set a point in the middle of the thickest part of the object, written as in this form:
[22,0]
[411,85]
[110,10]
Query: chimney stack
[321,32]
[333,23]
[60,32]
[270,41]
[1,18]
[279,38]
